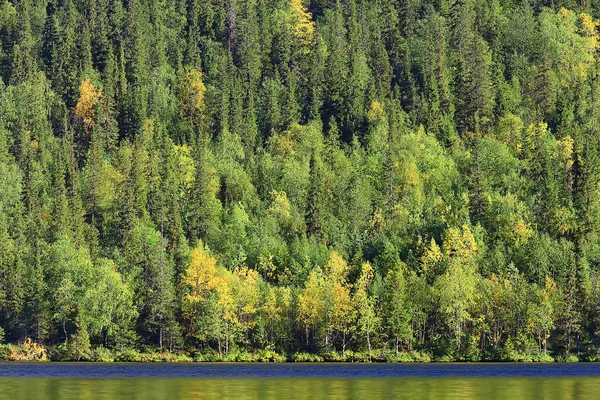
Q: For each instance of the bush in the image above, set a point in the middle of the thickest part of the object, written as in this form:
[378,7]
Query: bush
[446,358]
[569,358]
[357,356]
[547,358]
[128,355]
[509,353]
[332,356]
[207,356]
[28,351]
[306,357]
[268,355]
[102,354]
[402,357]
[420,357]
[79,348]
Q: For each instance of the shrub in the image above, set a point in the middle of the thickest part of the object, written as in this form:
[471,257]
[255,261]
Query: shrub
[28,351]
[402,357]
[102,354]
[306,357]
[268,355]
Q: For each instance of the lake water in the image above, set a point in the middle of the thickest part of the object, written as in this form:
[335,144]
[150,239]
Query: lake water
[299,381]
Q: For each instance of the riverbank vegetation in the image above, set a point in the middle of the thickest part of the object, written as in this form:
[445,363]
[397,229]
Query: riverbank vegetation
[336,180]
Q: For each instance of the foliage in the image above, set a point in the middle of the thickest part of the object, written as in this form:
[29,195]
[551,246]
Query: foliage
[293,180]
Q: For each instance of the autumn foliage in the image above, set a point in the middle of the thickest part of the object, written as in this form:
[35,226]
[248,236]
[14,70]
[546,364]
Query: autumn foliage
[89,96]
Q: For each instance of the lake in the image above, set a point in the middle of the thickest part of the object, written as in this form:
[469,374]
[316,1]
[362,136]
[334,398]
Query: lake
[298,381]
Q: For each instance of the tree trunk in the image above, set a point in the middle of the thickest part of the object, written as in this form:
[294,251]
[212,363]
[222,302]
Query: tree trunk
[227,341]
[160,337]
[569,338]
[369,345]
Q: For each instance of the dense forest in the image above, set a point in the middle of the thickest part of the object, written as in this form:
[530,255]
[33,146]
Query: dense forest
[331,179]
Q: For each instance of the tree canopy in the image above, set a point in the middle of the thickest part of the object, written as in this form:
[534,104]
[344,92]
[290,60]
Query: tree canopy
[330,177]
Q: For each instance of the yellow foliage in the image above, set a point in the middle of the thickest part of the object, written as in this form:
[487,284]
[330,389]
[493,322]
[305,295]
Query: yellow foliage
[224,282]
[431,257]
[589,30]
[460,245]
[550,285]
[563,151]
[109,181]
[191,94]
[567,16]
[303,28]
[411,174]
[510,129]
[283,145]
[311,301]
[267,266]
[376,111]
[563,219]
[342,312]
[399,212]
[270,306]
[89,95]
[28,351]
[280,208]
[377,223]
[247,295]
[337,268]
[576,41]
[201,275]
[522,232]
[366,275]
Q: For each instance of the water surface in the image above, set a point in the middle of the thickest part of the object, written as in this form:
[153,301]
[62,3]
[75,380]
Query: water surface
[298,381]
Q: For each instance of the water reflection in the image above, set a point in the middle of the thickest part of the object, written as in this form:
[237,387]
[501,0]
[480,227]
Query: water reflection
[301,388]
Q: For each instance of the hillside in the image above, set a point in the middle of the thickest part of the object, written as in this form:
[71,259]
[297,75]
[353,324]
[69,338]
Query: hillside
[391,179]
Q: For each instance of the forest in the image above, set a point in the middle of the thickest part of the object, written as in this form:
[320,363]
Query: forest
[400,180]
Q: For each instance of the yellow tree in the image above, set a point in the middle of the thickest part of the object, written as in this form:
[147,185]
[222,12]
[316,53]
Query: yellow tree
[339,311]
[342,313]
[572,42]
[431,259]
[285,310]
[303,28]
[543,311]
[312,303]
[89,96]
[368,321]
[510,131]
[226,306]
[200,275]
[247,296]
[457,286]
[460,245]
[210,307]
[271,311]
[191,90]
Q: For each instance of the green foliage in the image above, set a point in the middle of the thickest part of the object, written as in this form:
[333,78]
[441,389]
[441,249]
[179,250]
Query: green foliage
[344,181]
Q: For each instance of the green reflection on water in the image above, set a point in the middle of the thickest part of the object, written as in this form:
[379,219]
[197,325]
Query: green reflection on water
[302,388]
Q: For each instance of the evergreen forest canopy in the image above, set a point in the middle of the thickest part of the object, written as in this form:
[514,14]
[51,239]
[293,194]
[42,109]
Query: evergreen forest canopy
[393,178]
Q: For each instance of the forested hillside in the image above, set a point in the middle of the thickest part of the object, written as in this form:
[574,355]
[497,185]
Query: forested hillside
[390,179]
